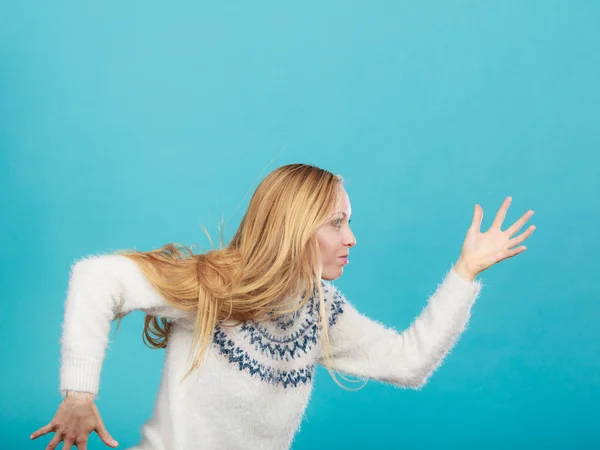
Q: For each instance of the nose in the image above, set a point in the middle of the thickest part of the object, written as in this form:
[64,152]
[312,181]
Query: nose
[350,240]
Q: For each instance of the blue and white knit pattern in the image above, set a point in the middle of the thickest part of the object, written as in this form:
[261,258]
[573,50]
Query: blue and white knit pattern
[288,337]
[258,377]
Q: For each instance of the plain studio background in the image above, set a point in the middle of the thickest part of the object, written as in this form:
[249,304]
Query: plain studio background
[130,124]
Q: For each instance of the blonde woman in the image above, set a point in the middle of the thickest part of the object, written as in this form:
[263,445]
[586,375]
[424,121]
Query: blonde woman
[245,325]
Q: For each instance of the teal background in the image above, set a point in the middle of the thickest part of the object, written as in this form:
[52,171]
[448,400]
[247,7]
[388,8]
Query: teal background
[130,124]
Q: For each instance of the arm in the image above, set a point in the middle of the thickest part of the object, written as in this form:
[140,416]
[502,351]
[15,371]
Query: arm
[100,287]
[365,348]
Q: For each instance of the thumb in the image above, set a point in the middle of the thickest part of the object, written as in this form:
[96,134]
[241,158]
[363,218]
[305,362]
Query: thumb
[106,437]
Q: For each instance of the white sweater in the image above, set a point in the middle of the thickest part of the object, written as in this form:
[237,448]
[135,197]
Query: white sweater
[257,379]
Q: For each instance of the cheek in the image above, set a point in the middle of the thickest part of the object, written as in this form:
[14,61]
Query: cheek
[329,252]
[325,245]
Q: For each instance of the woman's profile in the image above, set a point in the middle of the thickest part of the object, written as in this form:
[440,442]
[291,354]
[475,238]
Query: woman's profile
[245,325]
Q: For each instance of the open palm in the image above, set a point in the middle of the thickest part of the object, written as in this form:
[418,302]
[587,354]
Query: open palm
[482,250]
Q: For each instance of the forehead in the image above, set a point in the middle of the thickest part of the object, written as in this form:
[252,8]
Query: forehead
[343,203]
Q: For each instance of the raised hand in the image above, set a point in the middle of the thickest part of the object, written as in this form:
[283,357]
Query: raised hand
[76,418]
[480,251]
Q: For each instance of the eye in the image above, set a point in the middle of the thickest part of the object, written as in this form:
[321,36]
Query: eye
[338,222]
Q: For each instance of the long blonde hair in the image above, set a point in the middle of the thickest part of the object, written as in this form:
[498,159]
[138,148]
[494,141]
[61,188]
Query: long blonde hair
[273,255]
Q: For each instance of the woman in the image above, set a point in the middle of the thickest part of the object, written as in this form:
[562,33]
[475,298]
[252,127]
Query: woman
[245,325]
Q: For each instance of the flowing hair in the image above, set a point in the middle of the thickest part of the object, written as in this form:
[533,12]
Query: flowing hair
[274,255]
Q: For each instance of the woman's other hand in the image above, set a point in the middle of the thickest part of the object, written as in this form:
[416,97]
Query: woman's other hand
[76,418]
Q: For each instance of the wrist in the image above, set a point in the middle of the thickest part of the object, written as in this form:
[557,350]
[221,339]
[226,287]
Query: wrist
[463,269]
[77,394]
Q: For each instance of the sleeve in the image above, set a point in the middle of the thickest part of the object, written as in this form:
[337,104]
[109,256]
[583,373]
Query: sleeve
[100,288]
[365,348]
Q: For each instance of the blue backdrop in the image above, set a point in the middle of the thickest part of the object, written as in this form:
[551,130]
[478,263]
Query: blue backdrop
[130,124]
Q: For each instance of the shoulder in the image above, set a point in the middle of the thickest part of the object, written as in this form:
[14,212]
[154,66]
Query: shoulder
[104,262]
[113,269]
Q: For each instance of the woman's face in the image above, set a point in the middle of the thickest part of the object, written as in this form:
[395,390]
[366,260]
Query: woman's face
[335,238]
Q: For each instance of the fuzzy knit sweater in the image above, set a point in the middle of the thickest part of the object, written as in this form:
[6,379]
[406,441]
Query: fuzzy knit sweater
[255,384]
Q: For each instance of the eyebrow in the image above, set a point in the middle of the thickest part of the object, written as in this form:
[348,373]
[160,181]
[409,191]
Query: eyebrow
[343,213]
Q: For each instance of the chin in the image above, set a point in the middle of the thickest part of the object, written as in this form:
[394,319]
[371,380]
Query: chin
[331,275]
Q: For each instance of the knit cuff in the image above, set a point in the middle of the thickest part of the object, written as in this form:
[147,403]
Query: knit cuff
[80,374]
[457,294]
[475,284]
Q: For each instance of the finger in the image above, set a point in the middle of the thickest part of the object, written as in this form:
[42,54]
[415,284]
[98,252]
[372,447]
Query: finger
[515,252]
[521,237]
[44,430]
[501,214]
[81,443]
[515,227]
[106,437]
[477,218]
[54,442]
[68,445]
